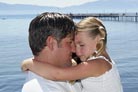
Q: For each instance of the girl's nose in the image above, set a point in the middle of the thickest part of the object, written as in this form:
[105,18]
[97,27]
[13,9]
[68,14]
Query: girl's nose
[73,48]
[78,52]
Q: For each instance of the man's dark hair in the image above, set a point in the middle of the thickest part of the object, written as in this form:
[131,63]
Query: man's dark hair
[49,24]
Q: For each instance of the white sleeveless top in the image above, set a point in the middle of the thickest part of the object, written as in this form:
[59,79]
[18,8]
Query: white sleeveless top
[107,82]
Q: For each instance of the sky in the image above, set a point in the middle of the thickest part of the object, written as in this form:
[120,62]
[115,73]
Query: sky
[56,3]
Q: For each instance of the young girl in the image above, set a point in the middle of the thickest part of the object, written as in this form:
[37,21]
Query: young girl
[97,72]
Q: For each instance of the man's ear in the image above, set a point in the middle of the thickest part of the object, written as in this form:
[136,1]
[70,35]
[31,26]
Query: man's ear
[50,42]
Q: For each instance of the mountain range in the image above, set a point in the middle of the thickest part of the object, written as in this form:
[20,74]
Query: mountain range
[100,6]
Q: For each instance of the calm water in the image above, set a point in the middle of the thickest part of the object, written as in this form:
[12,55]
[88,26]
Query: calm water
[122,46]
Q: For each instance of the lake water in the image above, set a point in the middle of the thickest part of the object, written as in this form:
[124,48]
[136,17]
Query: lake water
[122,47]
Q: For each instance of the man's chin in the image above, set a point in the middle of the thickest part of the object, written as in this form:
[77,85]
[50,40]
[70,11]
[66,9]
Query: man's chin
[68,65]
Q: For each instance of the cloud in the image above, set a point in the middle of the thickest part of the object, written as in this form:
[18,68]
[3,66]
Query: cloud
[56,3]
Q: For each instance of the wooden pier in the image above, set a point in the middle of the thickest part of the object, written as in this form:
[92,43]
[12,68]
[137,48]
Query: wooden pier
[126,17]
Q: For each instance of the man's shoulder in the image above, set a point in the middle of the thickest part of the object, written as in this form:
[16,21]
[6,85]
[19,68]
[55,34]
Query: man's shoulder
[40,80]
[32,86]
[36,83]
[32,83]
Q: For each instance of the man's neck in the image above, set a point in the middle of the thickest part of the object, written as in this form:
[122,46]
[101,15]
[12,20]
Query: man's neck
[40,59]
[46,59]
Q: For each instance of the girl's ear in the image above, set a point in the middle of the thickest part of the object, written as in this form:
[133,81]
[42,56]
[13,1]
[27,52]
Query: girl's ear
[51,42]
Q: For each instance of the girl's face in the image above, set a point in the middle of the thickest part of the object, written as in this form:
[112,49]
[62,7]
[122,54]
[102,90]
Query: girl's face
[85,45]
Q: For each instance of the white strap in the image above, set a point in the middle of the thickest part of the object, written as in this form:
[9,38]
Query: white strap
[102,57]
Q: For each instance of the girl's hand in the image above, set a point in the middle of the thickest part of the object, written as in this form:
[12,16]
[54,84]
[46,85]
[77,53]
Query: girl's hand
[26,64]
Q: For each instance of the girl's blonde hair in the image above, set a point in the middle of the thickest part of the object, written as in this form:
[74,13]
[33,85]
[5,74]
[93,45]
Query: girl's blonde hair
[95,27]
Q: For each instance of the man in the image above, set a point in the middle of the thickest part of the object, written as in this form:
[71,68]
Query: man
[50,39]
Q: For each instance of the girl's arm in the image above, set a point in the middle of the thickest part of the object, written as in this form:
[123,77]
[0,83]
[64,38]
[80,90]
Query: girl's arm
[48,71]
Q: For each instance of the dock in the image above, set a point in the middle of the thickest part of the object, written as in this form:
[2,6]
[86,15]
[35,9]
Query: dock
[126,17]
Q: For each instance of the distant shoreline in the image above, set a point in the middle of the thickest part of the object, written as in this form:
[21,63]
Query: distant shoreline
[127,17]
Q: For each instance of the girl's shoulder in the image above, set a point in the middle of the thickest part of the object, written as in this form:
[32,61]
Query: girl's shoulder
[99,60]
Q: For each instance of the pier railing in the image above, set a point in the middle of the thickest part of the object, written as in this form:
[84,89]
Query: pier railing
[127,17]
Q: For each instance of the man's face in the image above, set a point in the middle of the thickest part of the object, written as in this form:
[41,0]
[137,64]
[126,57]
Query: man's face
[64,52]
